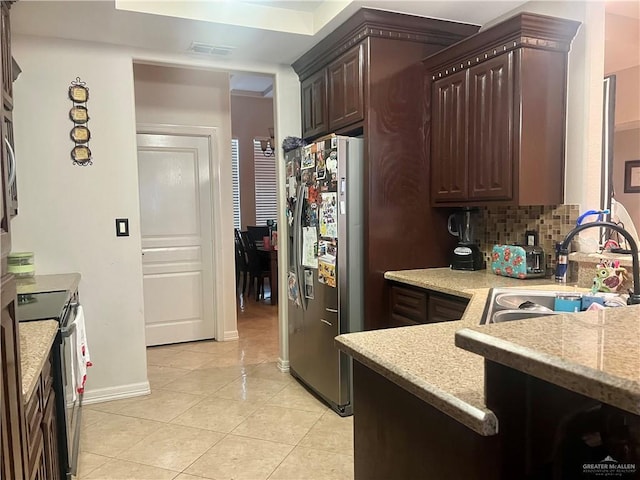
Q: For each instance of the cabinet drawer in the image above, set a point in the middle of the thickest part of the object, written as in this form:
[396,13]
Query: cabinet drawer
[408,305]
[444,309]
[46,379]
[33,415]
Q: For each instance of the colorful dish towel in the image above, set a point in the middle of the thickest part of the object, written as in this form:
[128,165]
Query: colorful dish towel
[83,359]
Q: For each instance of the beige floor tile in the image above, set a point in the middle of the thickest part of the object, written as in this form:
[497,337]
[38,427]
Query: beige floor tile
[180,359]
[159,376]
[115,406]
[296,396]
[92,416]
[211,346]
[270,371]
[332,420]
[284,425]
[116,433]
[185,476]
[205,381]
[162,405]
[217,414]
[122,470]
[332,433]
[239,458]
[173,447]
[250,388]
[156,355]
[237,358]
[306,463]
[88,462]
[337,440]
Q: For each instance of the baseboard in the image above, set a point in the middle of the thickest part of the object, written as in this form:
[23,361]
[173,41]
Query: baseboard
[231,335]
[120,392]
[283,365]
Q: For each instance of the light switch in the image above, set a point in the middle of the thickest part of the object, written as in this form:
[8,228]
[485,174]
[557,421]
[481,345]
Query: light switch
[122,227]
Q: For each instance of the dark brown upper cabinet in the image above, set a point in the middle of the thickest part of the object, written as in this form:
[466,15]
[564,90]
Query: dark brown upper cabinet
[346,89]
[375,89]
[5,54]
[314,104]
[498,105]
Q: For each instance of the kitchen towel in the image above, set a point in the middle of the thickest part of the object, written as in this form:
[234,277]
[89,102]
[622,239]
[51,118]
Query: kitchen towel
[83,359]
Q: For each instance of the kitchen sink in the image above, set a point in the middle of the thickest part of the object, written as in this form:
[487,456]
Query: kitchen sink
[507,304]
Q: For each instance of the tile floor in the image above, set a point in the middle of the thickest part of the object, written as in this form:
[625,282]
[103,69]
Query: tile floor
[220,411]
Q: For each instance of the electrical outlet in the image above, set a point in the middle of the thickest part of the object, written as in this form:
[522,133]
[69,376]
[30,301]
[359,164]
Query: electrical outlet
[122,227]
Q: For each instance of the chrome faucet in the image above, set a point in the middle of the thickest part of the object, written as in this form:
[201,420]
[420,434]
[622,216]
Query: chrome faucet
[563,250]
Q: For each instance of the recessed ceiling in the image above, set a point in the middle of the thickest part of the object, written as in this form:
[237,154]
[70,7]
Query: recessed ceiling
[268,32]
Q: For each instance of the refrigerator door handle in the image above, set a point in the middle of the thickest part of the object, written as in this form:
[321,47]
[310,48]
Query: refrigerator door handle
[297,245]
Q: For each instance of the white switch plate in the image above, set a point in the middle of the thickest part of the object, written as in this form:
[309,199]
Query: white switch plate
[122,227]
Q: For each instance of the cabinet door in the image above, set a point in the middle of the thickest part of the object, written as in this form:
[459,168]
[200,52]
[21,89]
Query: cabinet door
[449,140]
[5,202]
[346,89]
[445,308]
[314,105]
[8,146]
[408,306]
[12,414]
[49,432]
[491,129]
[5,52]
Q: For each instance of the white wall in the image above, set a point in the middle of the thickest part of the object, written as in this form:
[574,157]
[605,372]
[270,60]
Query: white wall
[67,212]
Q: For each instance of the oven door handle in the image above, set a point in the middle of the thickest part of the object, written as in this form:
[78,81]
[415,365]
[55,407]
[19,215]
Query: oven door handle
[68,331]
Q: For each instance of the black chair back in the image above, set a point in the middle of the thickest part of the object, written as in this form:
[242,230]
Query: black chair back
[251,250]
[258,232]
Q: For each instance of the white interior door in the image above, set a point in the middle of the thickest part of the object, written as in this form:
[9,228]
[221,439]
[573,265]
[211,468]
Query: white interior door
[176,230]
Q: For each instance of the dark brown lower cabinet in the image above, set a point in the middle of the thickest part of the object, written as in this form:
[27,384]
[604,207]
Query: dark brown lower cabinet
[42,441]
[11,411]
[411,305]
[399,436]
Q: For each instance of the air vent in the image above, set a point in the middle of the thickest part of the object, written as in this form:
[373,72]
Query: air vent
[208,49]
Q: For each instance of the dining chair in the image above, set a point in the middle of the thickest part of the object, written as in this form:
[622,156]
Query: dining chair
[242,264]
[258,268]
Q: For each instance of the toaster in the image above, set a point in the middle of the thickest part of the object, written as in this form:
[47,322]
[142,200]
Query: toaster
[518,261]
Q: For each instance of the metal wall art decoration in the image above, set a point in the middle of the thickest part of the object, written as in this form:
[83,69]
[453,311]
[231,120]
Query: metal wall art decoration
[79,115]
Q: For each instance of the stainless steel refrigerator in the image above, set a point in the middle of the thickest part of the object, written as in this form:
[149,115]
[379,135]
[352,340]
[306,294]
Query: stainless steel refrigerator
[325,233]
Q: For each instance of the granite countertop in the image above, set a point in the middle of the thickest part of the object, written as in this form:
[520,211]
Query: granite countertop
[49,283]
[424,360]
[36,339]
[596,354]
[460,282]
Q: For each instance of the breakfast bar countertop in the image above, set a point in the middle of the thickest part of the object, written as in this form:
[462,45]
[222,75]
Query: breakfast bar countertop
[49,283]
[596,354]
[36,339]
[424,360]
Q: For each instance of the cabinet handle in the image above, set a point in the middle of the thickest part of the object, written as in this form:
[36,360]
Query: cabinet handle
[328,323]
[12,161]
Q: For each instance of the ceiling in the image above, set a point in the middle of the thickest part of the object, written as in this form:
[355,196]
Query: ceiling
[273,32]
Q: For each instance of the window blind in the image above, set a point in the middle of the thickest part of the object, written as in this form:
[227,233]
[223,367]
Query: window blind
[235,176]
[266,192]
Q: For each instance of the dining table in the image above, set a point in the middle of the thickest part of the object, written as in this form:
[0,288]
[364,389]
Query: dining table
[272,255]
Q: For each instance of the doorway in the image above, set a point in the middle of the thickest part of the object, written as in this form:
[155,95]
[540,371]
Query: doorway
[176,212]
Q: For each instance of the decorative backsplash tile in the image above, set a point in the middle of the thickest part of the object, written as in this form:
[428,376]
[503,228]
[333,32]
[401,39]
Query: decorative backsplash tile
[507,225]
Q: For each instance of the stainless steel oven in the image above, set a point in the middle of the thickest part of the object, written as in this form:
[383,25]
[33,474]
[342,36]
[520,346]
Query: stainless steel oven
[63,307]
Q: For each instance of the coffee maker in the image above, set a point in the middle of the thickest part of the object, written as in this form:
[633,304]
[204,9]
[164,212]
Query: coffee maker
[466,255]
